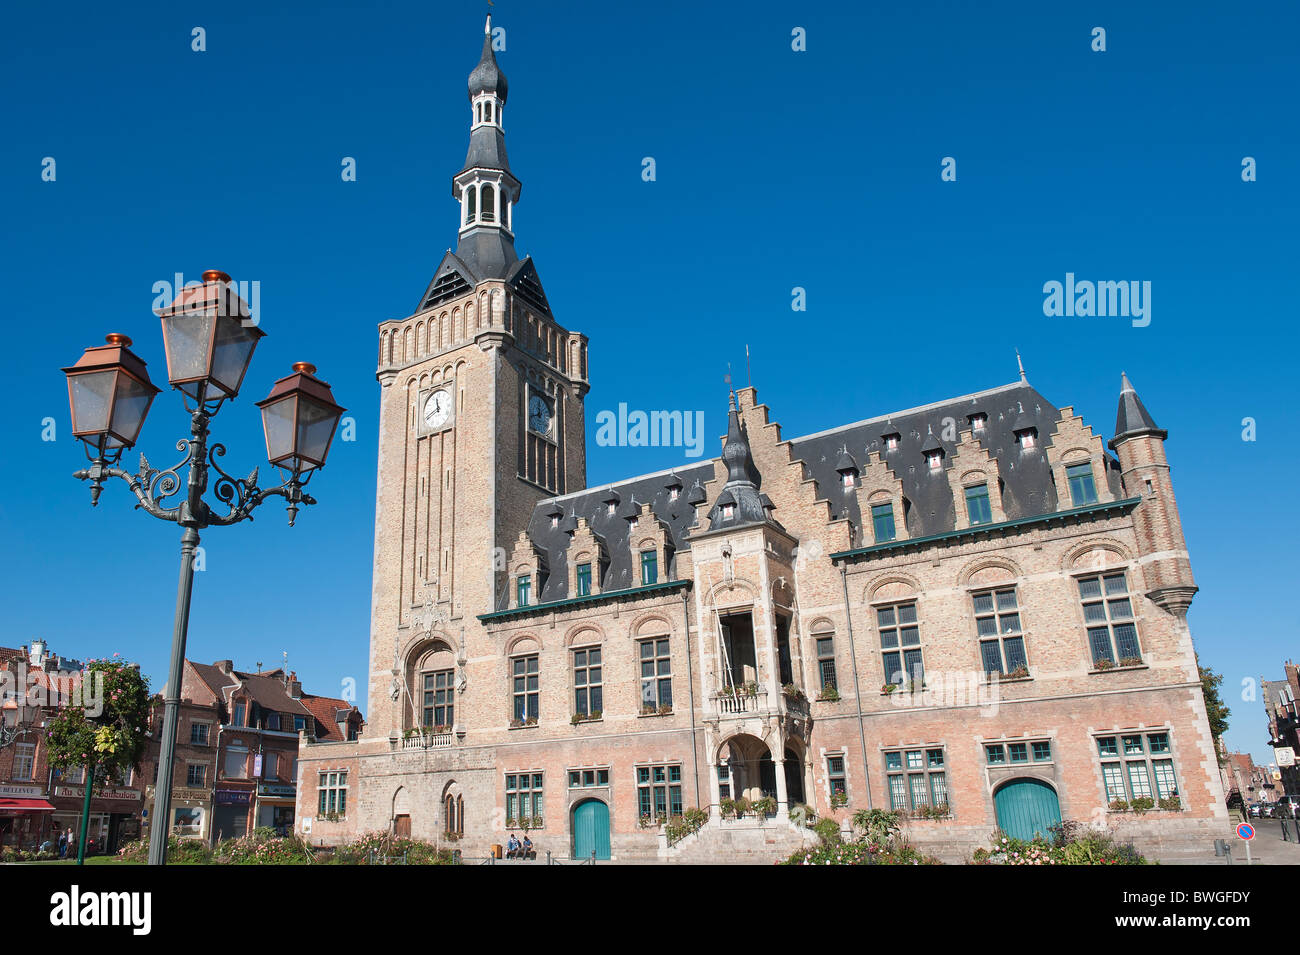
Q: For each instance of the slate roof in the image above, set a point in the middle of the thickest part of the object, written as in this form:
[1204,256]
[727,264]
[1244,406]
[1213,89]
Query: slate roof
[1133,417]
[1027,482]
[740,491]
[487,76]
[1027,489]
[652,489]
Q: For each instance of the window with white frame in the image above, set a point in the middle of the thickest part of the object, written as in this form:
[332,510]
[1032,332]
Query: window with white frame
[439,699]
[1108,615]
[588,682]
[916,778]
[900,643]
[525,688]
[997,623]
[524,799]
[196,774]
[199,734]
[837,777]
[1137,765]
[24,761]
[656,674]
[236,765]
[332,794]
[659,790]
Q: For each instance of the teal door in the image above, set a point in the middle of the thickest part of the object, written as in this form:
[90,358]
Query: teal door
[1026,808]
[591,830]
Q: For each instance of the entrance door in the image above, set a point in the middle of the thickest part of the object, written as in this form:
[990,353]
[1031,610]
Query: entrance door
[1026,808]
[591,830]
[402,827]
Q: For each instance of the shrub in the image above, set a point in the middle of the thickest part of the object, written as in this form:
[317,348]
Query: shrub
[1142,804]
[829,694]
[682,826]
[878,826]
[828,830]
[1072,843]
[263,847]
[383,848]
[859,853]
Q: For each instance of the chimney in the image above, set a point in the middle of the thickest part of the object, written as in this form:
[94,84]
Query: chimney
[295,687]
[37,656]
[226,666]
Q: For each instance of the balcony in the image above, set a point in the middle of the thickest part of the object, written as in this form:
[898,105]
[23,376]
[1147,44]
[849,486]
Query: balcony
[429,740]
[744,699]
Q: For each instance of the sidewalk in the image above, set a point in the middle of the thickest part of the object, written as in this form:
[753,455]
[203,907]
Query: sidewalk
[1267,848]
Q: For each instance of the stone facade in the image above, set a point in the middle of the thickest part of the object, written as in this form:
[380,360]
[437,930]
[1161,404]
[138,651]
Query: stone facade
[779,643]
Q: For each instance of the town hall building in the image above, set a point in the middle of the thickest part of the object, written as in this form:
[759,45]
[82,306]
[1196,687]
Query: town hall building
[972,612]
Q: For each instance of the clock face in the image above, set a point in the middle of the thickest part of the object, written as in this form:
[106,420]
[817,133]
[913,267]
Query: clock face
[539,414]
[437,409]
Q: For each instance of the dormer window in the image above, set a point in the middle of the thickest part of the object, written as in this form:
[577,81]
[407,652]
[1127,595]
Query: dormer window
[891,442]
[674,493]
[1027,438]
[934,460]
[849,480]
[611,508]
[978,421]
[555,520]
[728,511]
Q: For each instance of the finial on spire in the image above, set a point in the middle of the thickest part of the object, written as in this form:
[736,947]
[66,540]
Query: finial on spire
[1021,365]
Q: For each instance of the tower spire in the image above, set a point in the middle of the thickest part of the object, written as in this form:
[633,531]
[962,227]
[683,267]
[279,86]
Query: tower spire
[485,187]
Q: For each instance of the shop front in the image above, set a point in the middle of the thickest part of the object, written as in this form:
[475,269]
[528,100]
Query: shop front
[26,817]
[230,810]
[191,812]
[114,815]
[275,804]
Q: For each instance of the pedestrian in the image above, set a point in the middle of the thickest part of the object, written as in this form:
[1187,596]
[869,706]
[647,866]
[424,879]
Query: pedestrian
[63,845]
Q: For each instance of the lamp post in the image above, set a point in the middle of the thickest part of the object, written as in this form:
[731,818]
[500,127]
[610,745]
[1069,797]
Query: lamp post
[209,339]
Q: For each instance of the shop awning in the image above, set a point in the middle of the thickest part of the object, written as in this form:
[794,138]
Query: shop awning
[25,805]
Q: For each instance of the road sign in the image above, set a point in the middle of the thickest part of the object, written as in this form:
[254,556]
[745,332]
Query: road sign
[1246,831]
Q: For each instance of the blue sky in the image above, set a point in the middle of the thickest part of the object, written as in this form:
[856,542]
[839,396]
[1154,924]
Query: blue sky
[775,169]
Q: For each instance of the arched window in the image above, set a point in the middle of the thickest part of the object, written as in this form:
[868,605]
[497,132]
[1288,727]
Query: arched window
[480,112]
[487,111]
[489,203]
[471,204]
[505,211]
[454,815]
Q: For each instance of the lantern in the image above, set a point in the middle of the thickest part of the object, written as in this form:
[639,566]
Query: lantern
[299,417]
[109,392]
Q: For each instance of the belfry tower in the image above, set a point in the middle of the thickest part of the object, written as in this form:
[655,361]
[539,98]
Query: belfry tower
[481,417]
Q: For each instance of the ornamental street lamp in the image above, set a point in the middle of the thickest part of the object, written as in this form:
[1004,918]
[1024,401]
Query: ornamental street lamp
[209,337]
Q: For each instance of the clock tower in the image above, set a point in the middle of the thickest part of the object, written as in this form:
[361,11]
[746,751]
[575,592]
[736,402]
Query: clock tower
[481,416]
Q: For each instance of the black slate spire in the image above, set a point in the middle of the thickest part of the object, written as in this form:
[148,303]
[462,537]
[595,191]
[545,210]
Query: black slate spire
[1133,418]
[740,502]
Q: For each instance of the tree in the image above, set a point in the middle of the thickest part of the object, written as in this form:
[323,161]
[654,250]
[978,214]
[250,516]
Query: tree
[106,732]
[1214,705]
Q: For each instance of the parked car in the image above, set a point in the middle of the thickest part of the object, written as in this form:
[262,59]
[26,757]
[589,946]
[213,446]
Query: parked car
[1255,809]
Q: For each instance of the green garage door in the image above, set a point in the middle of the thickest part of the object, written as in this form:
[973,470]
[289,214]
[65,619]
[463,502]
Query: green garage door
[1027,807]
[591,830]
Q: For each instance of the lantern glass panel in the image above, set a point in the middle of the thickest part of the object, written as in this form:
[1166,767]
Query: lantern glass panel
[278,423]
[188,338]
[232,353]
[315,429]
[132,404]
[92,401]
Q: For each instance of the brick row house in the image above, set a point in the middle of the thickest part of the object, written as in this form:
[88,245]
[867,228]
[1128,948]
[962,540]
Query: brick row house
[237,748]
[37,802]
[973,611]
